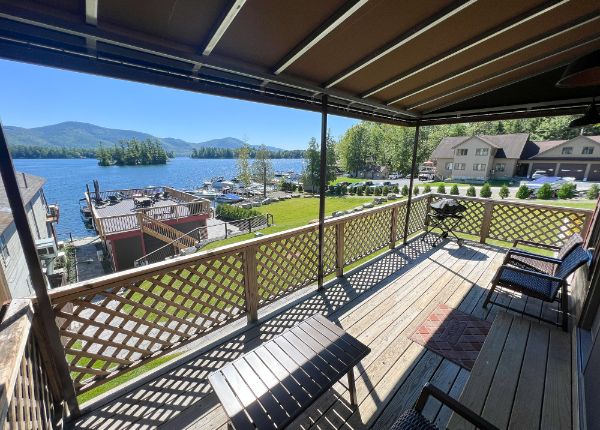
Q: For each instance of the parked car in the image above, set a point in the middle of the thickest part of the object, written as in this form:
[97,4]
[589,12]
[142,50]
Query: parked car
[539,174]
[394,176]
[356,185]
[426,176]
[386,183]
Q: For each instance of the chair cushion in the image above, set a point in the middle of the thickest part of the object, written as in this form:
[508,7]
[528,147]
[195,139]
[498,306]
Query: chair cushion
[532,285]
[412,420]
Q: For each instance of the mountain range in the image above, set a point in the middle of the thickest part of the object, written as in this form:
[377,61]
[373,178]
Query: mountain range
[72,134]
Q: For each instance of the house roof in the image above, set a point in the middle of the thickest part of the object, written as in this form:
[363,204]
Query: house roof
[29,185]
[508,145]
[389,61]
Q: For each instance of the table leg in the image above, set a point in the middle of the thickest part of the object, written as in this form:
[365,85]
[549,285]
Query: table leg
[229,425]
[352,387]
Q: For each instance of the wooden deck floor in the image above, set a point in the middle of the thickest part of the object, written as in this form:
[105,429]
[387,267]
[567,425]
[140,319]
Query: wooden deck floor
[381,305]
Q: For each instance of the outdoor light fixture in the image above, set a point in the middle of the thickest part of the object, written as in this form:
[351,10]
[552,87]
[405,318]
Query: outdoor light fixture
[590,117]
[583,72]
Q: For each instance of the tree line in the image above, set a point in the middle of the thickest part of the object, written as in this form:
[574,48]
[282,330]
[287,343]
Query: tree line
[211,153]
[133,153]
[366,146]
[24,151]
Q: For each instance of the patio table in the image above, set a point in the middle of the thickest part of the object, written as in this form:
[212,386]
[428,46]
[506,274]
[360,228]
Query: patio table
[272,385]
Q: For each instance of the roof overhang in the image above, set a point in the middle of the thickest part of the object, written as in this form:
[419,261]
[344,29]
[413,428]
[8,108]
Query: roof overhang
[385,61]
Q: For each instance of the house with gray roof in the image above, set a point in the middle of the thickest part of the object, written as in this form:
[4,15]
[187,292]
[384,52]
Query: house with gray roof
[483,157]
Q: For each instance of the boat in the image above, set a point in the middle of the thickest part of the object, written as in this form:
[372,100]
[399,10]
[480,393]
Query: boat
[228,198]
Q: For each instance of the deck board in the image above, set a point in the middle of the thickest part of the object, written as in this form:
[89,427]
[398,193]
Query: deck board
[381,304]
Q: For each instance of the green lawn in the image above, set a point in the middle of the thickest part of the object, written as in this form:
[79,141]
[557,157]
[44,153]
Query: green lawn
[347,179]
[577,204]
[295,213]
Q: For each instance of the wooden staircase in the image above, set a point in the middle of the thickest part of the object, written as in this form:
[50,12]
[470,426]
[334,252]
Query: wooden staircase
[164,232]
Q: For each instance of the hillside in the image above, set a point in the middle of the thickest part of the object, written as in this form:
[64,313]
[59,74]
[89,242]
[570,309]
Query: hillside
[73,134]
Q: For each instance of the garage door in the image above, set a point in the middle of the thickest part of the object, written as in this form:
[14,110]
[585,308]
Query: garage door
[594,174]
[548,167]
[572,170]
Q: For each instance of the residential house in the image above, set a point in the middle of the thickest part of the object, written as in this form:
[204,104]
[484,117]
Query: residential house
[14,275]
[484,157]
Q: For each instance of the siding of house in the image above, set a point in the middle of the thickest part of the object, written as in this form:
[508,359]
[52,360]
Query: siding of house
[441,167]
[577,144]
[469,160]
[510,166]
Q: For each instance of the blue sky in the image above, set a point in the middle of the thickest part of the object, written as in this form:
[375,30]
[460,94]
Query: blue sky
[34,96]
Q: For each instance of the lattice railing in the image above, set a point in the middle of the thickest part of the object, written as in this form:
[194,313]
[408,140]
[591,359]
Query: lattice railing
[121,321]
[27,400]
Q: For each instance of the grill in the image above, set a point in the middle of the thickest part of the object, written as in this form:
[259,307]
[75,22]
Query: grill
[445,215]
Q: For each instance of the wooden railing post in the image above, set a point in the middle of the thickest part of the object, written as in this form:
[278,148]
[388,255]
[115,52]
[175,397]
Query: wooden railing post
[488,208]
[251,283]
[394,227]
[339,249]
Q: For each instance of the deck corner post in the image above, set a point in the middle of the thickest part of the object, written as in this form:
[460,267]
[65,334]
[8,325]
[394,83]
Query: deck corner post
[488,208]
[339,249]
[251,283]
[394,227]
[322,189]
[413,165]
[47,321]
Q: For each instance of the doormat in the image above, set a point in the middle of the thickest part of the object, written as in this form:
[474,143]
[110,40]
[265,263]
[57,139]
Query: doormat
[453,334]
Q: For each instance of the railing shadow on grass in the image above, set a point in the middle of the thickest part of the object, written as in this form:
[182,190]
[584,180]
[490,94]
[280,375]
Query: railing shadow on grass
[180,394]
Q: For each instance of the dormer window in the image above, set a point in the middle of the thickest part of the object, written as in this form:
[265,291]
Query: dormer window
[482,151]
[461,152]
[587,150]
[567,150]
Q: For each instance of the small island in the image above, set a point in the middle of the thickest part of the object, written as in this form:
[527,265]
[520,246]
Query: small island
[133,153]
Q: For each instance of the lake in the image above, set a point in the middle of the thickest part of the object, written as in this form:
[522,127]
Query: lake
[66,180]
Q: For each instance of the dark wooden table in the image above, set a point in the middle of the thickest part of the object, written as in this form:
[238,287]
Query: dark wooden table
[273,384]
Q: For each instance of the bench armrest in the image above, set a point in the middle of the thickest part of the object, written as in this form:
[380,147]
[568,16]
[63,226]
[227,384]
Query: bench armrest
[518,252]
[516,242]
[529,273]
[452,403]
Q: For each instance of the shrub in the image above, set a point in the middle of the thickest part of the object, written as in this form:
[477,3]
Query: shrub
[294,188]
[471,192]
[545,192]
[504,192]
[404,191]
[593,192]
[485,191]
[351,190]
[386,190]
[416,191]
[332,189]
[566,191]
[441,189]
[523,192]
[377,191]
[427,188]
[395,189]
[344,190]
[232,213]
[454,190]
[359,191]
[369,191]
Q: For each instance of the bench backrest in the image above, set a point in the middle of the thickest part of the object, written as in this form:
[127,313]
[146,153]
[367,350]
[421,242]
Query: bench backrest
[575,259]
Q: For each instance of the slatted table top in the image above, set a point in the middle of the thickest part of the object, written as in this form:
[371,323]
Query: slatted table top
[273,384]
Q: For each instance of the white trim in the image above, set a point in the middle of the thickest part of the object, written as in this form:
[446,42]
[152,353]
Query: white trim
[223,26]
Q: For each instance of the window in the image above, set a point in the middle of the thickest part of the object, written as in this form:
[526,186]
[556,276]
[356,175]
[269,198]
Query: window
[482,151]
[500,167]
[459,166]
[449,165]
[587,150]
[479,167]
[567,150]
[4,249]
[461,152]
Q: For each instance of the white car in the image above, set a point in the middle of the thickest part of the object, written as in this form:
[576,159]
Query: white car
[539,174]
[394,176]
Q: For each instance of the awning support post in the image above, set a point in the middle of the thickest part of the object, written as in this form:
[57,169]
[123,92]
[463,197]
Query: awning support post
[413,165]
[322,187]
[44,308]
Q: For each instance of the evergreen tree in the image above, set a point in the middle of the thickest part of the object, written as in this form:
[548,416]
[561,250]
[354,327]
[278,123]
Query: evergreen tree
[471,192]
[523,192]
[504,192]
[454,190]
[485,191]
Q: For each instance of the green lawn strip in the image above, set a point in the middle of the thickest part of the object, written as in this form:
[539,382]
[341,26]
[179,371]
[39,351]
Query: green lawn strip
[121,379]
[576,204]
[347,179]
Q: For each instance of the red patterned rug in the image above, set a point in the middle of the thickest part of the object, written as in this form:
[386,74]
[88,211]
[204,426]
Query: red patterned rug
[453,334]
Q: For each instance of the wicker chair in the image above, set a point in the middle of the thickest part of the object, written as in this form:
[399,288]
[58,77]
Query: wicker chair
[531,261]
[543,286]
[413,419]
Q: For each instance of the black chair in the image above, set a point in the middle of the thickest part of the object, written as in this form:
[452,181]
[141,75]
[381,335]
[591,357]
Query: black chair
[413,419]
[543,286]
[531,261]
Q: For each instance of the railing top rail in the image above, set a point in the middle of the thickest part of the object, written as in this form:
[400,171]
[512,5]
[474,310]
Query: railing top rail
[141,273]
[514,203]
[14,333]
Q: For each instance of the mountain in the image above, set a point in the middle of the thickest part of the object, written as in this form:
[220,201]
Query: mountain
[74,134]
